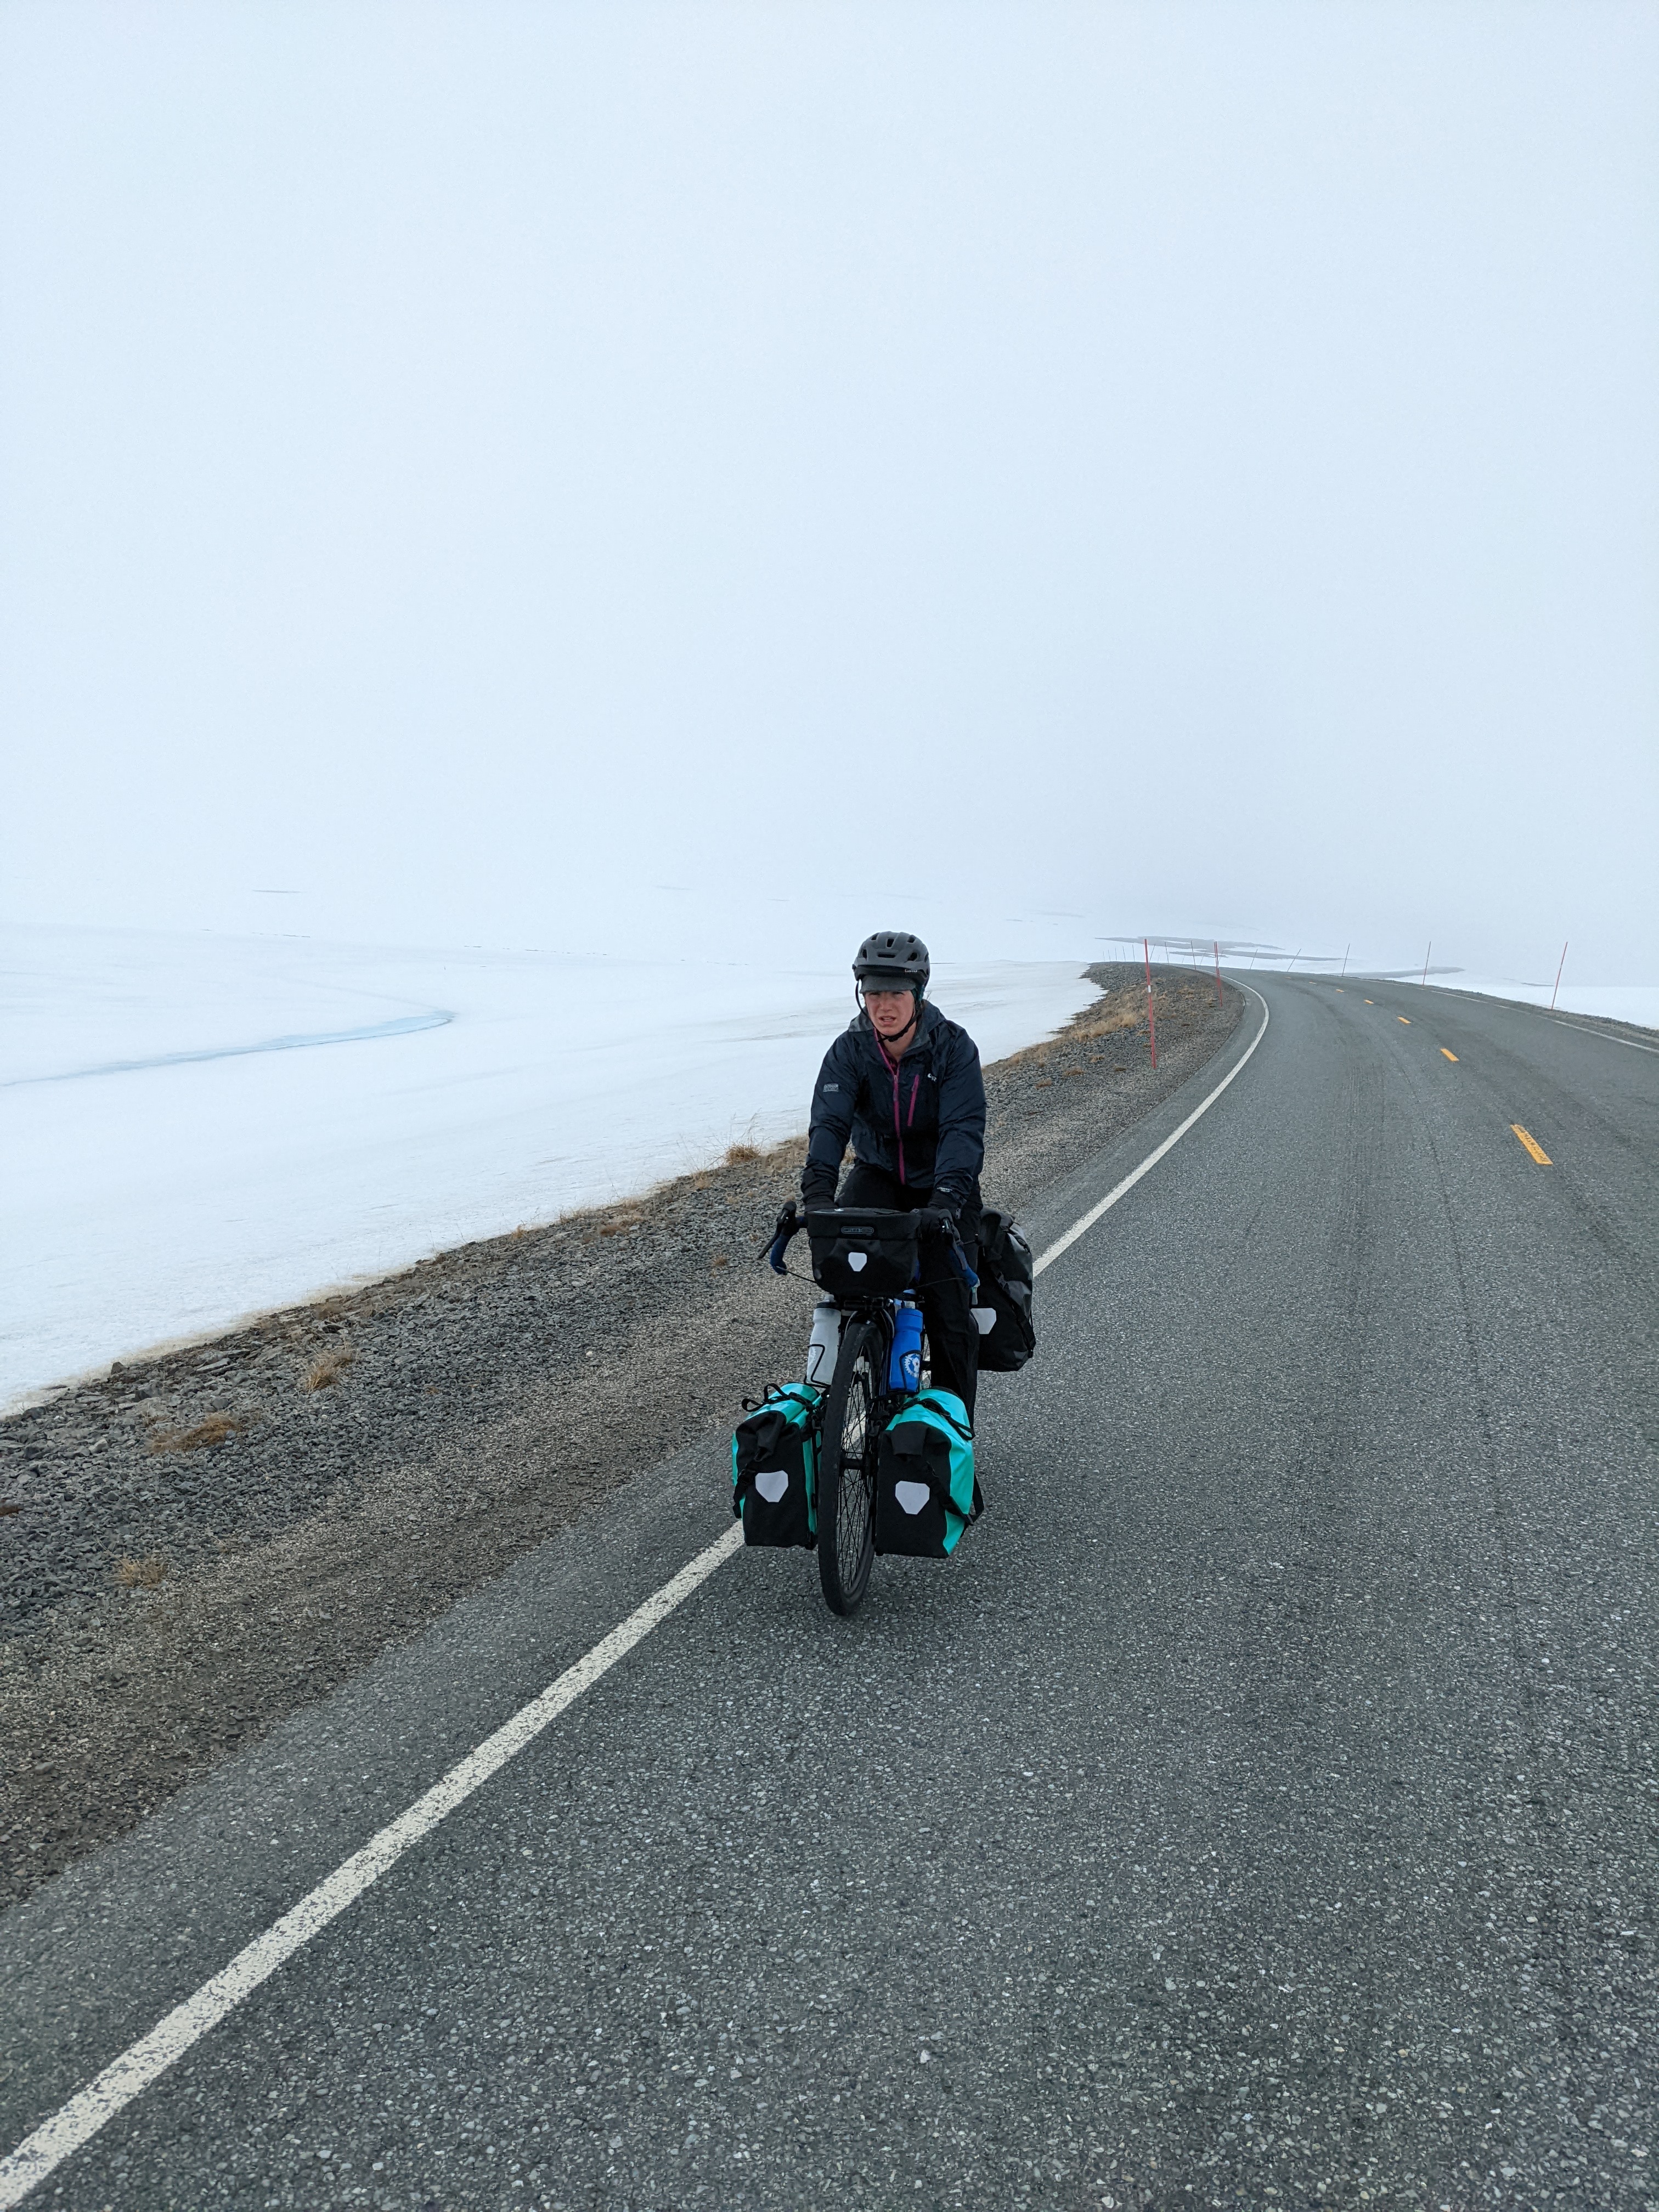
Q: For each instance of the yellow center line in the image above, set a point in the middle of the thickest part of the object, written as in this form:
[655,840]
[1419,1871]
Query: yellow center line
[1404,1017]
[1371,1002]
[1452,1056]
[1533,1145]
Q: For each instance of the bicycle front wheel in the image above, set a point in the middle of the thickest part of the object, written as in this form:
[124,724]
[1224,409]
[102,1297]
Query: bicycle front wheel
[846,1466]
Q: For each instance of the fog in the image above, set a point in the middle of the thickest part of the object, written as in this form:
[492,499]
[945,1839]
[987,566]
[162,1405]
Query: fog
[714,480]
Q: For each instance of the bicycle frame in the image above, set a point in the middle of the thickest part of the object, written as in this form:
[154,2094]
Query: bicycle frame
[880,1311]
[861,1379]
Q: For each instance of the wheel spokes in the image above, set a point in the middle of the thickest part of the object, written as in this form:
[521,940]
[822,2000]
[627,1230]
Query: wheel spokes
[847,1533]
[853,1502]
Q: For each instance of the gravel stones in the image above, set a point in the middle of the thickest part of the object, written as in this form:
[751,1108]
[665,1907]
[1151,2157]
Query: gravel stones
[203,1541]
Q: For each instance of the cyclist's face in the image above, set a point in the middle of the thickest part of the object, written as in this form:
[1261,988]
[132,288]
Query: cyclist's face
[890,1012]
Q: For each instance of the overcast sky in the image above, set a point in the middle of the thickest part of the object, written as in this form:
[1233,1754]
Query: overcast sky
[535,475]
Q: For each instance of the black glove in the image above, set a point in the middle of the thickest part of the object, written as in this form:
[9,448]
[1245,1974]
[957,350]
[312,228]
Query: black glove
[939,1216]
[940,1213]
[788,1222]
[819,1193]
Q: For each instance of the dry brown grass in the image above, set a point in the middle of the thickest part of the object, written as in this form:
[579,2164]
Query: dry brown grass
[719,1260]
[773,1159]
[1109,1020]
[211,1429]
[1120,1010]
[326,1371]
[624,1226]
[142,1574]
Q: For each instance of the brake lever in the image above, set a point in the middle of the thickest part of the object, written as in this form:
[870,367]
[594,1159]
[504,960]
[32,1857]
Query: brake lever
[943,1223]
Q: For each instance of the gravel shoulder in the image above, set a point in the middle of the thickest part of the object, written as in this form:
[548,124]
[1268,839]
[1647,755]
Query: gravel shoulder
[198,1544]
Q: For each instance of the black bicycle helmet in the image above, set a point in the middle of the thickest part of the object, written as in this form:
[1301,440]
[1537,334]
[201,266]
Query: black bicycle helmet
[892,960]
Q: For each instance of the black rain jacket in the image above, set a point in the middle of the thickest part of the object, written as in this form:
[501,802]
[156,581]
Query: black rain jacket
[923,1121]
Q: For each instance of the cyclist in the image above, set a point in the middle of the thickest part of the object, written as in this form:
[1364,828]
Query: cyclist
[903,1086]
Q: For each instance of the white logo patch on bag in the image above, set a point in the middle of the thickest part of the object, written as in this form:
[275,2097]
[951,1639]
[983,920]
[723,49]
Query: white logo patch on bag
[912,1496]
[855,1261]
[772,1482]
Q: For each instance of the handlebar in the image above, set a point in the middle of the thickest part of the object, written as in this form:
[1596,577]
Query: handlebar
[934,1221]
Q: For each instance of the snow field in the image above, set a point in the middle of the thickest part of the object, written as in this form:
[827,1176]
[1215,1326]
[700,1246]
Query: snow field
[199,1129]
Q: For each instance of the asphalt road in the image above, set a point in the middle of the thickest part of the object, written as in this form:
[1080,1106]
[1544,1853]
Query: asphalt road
[1261,1809]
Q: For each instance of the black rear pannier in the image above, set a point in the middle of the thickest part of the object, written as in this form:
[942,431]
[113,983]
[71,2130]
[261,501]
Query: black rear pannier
[926,1492]
[1005,1278]
[862,1252]
[774,1467]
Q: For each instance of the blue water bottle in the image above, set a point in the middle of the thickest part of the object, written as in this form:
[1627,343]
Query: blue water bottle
[904,1367]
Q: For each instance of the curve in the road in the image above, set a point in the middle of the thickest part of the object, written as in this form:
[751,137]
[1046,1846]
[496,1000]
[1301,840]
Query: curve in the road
[1262,1809]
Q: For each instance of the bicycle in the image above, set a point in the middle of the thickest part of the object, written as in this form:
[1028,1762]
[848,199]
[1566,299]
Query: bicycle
[862,1393]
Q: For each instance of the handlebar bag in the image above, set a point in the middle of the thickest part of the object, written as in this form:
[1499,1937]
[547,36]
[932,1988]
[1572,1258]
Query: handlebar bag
[925,1489]
[862,1252]
[1008,1338]
[774,1467]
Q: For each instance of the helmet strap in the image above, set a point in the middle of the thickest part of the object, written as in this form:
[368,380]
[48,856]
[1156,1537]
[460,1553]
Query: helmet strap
[910,1027]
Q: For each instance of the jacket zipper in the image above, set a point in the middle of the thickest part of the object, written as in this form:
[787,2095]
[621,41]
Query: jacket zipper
[898,1126]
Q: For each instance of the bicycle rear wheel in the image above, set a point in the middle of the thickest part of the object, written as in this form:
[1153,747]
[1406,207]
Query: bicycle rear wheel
[846,1466]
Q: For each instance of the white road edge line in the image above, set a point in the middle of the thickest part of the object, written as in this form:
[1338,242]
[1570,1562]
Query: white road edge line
[1488,999]
[1081,1228]
[1607,1036]
[132,2074]
[145,2061]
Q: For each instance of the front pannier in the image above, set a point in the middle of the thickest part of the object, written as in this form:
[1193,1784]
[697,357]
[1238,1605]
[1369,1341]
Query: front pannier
[1005,1278]
[862,1252]
[925,1492]
[774,1467]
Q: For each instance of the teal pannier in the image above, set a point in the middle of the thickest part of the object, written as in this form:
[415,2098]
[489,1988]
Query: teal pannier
[926,1490]
[774,1467]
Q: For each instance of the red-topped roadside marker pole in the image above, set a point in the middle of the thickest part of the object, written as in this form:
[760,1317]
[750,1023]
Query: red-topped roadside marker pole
[1152,1019]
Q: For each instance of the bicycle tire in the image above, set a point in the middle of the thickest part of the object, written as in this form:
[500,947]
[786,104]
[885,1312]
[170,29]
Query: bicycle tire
[846,1466]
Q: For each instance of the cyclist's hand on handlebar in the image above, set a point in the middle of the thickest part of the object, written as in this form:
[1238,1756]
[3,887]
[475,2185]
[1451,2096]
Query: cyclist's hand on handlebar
[941,1221]
[788,1222]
